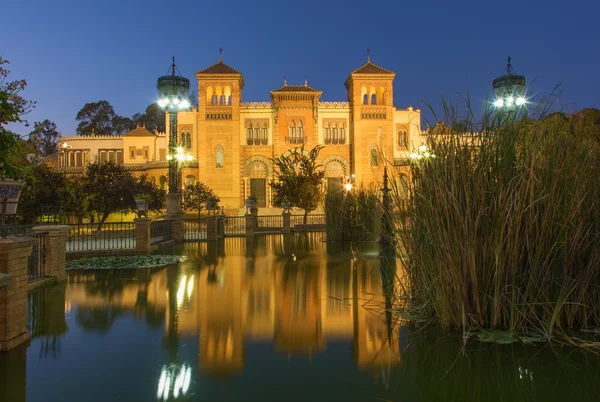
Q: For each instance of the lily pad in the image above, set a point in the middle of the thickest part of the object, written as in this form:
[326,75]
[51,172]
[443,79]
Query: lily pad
[495,336]
[124,262]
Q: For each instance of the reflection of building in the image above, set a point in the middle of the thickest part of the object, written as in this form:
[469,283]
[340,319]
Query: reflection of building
[299,303]
[232,141]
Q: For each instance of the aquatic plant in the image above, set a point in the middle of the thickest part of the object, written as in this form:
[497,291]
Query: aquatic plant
[352,215]
[504,223]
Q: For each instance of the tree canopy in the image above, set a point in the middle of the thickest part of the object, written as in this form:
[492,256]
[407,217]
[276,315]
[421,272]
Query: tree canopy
[45,137]
[195,196]
[299,179]
[100,118]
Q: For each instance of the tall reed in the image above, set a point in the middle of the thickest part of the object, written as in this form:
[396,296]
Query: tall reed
[352,216]
[504,226]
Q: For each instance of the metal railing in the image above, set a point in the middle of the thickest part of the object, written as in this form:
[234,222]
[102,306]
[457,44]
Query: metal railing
[269,223]
[294,140]
[314,222]
[86,236]
[36,262]
[194,228]
[161,231]
[16,230]
[235,226]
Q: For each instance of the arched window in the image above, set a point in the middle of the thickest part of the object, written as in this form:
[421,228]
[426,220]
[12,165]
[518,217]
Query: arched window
[300,133]
[219,96]
[189,180]
[292,132]
[163,182]
[364,95]
[373,96]
[264,135]
[256,133]
[374,159]
[219,151]
[403,139]
[249,134]
[334,134]
[342,133]
[327,132]
[186,140]
[227,94]
[209,96]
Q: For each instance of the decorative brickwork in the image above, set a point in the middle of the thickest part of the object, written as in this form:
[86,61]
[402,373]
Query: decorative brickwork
[14,253]
[56,246]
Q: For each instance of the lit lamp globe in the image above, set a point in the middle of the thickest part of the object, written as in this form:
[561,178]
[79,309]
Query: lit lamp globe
[509,90]
[174,91]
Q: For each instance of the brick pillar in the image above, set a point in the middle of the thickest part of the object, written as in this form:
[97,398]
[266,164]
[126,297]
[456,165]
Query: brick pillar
[14,253]
[250,224]
[287,228]
[142,235]
[211,228]
[174,213]
[56,249]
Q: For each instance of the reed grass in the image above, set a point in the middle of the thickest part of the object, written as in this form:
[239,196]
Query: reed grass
[504,225]
[352,216]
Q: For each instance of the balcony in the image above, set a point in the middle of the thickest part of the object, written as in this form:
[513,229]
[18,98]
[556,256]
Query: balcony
[335,141]
[254,141]
[294,140]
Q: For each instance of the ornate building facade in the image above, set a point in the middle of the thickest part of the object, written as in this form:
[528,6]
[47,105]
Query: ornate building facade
[232,141]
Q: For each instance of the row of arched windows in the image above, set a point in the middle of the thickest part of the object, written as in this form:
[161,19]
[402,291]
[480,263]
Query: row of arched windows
[257,134]
[403,139]
[373,95]
[218,96]
[334,133]
[296,132]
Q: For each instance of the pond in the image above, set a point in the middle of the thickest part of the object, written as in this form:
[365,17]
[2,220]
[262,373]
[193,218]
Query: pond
[273,319]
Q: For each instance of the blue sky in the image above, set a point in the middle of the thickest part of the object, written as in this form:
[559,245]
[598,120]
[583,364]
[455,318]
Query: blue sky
[74,52]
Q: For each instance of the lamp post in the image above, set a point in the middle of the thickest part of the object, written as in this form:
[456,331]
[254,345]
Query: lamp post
[509,90]
[174,90]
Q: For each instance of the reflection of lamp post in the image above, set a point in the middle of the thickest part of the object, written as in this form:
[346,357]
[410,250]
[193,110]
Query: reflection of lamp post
[174,91]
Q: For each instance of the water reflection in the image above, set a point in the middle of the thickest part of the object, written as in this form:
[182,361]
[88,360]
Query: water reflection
[277,289]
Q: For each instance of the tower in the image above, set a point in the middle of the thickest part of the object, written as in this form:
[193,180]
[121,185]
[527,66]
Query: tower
[370,95]
[218,127]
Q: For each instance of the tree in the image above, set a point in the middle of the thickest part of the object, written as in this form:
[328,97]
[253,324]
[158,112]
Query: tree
[153,118]
[143,186]
[109,188]
[45,137]
[122,125]
[43,188]
[588,120]
[12,107]
[96,116]
[195,197]
[76,200]
[299,179]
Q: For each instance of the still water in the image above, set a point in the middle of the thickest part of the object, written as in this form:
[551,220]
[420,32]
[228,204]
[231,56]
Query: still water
[277,319]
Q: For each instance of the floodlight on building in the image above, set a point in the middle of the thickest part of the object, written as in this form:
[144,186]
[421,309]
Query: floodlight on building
[509,89]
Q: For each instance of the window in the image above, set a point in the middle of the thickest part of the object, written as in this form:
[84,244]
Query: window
[295,133]
[219,151]
[186,140]
[403,139]
[373,99]
[264,136]
[132,154]
[335,133]
[257,133]
[374,157]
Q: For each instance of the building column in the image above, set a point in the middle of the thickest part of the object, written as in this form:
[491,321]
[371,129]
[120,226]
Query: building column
[174,213]
[287,222]
[56,249]
[250,223]
[14,253]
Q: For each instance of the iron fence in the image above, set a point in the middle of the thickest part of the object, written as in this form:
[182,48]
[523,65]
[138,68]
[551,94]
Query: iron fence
[269,223]
[194,228]
[16,230]
[161,231]
[86,236]
[314,223]
[36,262]
[234,226]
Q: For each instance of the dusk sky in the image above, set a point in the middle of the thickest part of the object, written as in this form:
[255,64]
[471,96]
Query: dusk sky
[74,52]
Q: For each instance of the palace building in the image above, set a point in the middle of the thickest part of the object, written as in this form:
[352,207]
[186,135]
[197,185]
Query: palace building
[232,141]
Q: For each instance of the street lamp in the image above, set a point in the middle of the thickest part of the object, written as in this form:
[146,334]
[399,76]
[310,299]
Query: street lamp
[174,90]
[421,153]
[509,90]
